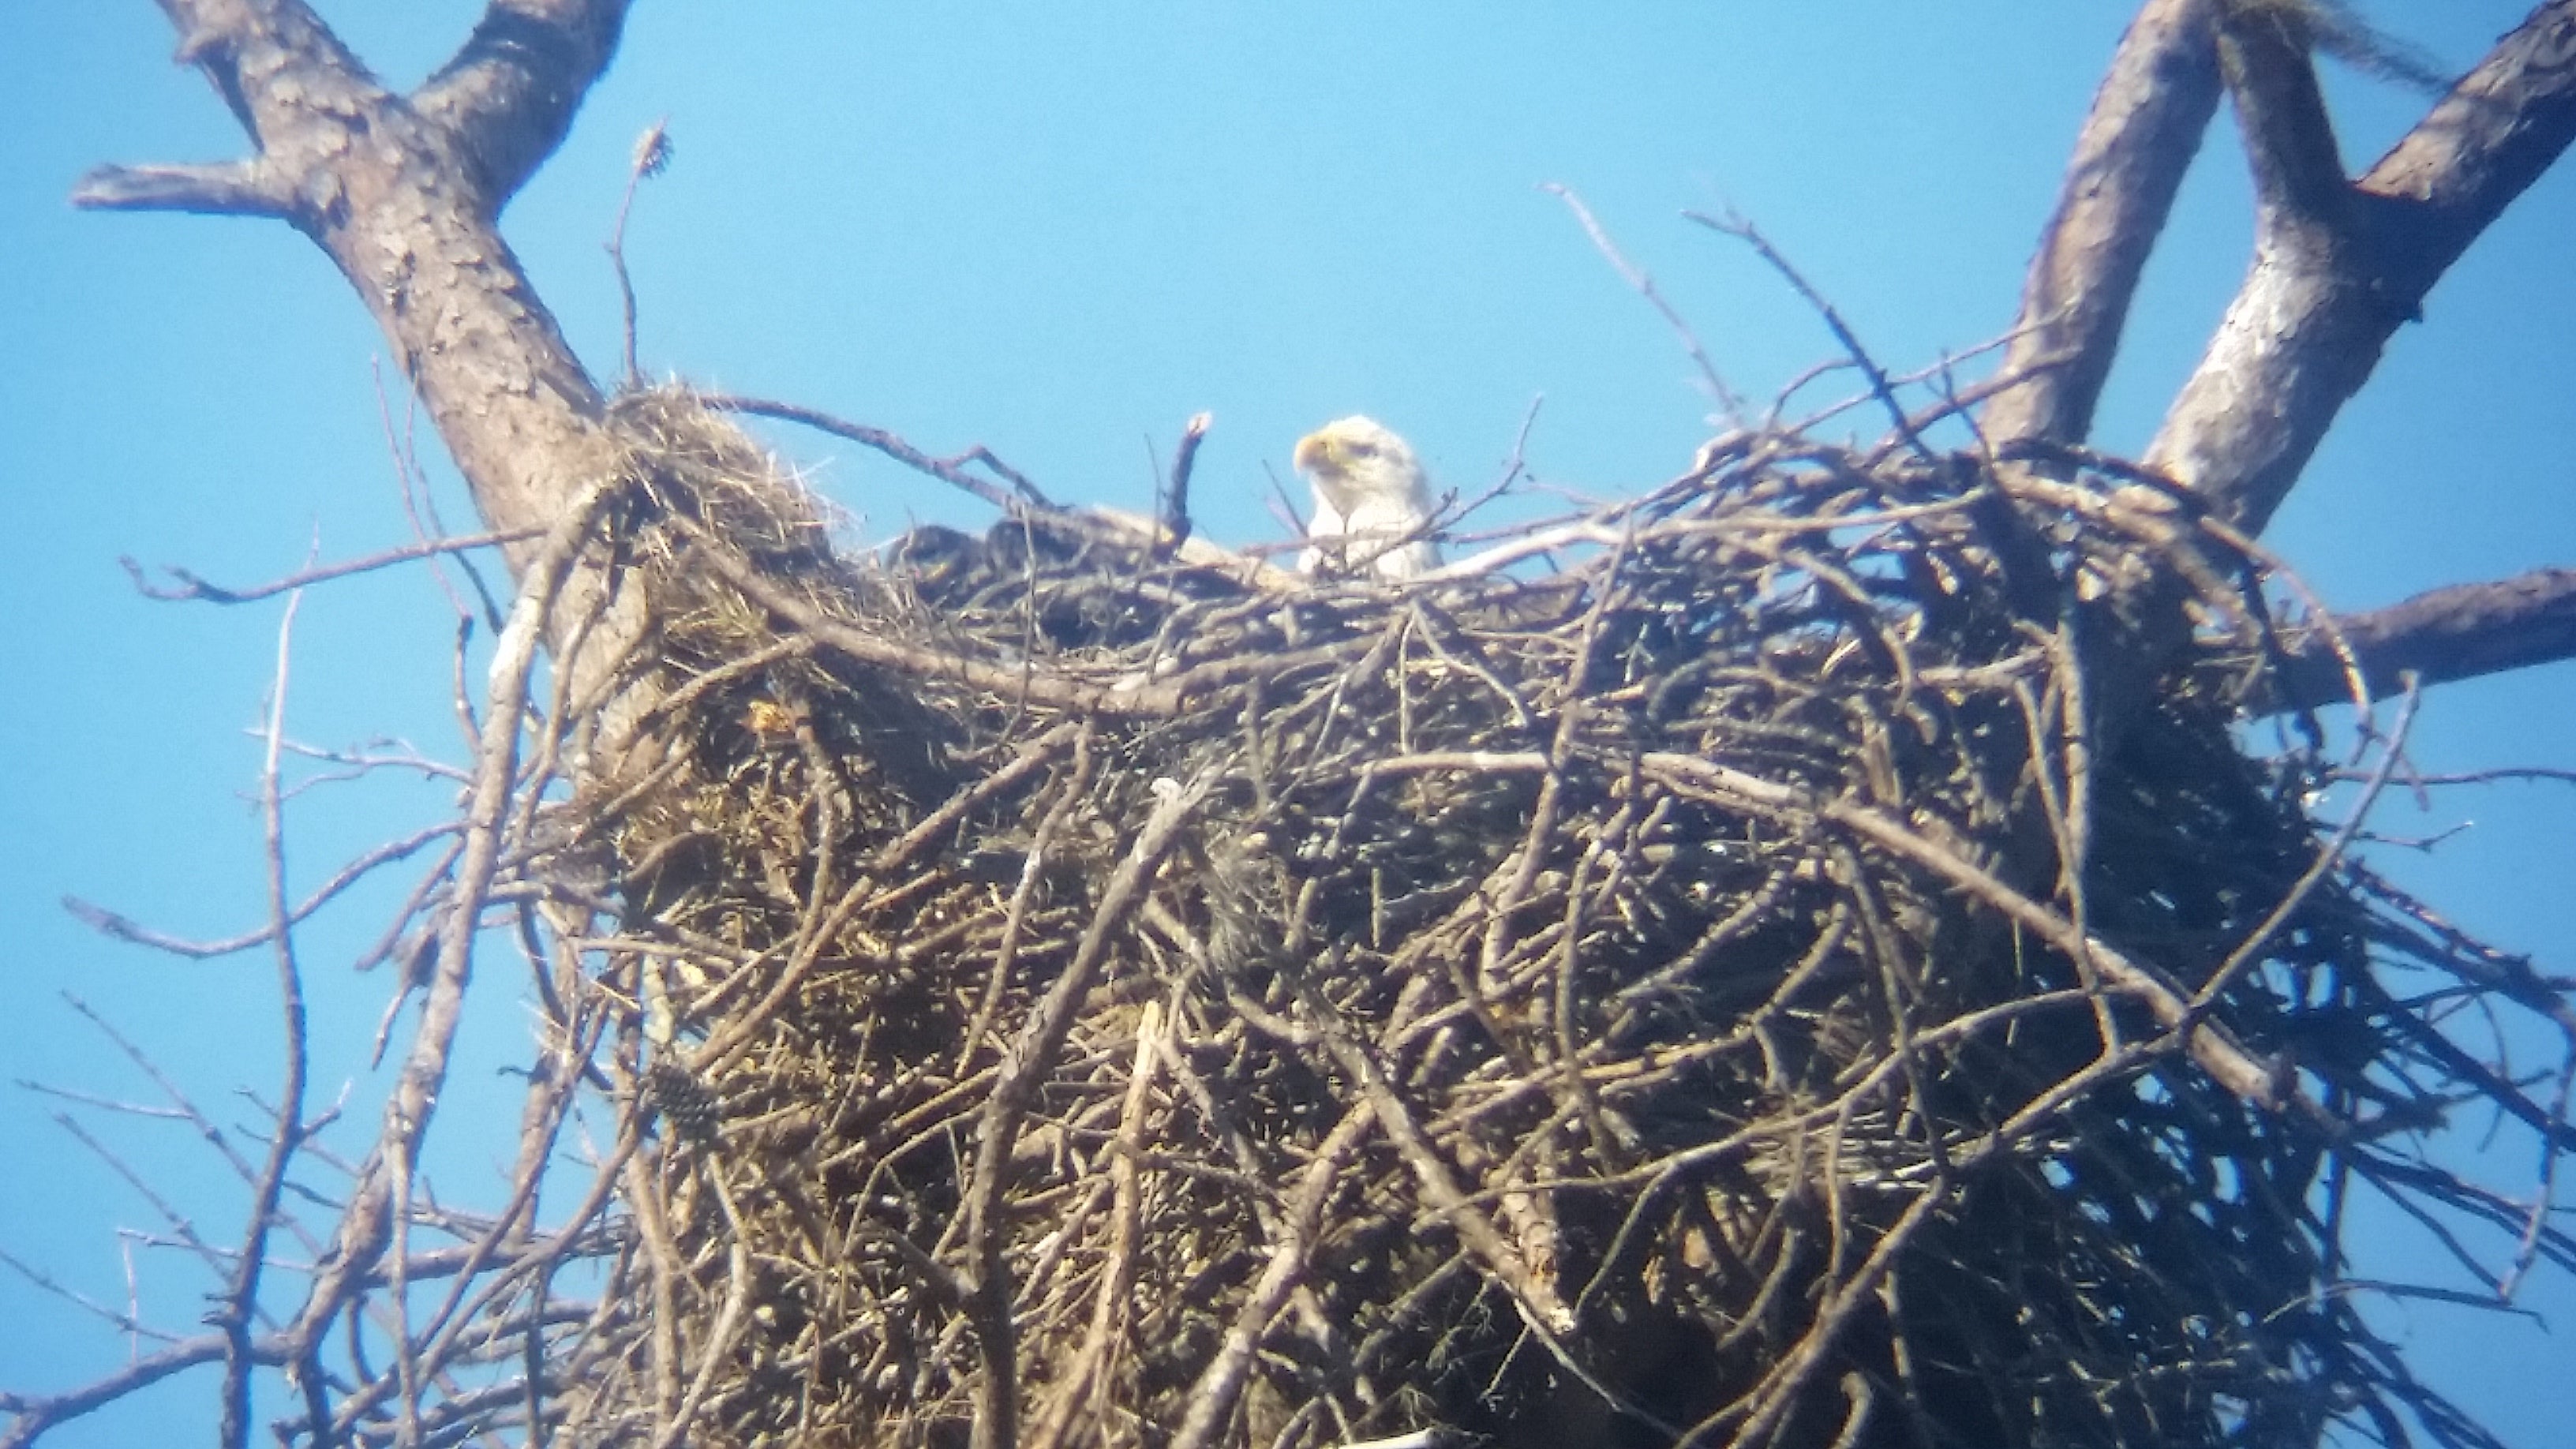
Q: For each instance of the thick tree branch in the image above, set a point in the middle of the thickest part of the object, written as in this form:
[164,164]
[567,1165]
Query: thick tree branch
[2307,327]
[2460,632]
[246,46]
[2145,126]
[509,95]
[2490,138]
[403,200]
[2302,201]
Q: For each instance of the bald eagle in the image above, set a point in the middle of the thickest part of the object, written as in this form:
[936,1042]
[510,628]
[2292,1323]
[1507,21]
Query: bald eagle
[1372,503]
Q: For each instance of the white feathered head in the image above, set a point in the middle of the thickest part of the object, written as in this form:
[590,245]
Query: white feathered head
[1371,491]
[1356,460]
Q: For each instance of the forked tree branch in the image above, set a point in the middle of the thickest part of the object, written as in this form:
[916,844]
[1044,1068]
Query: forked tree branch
[2145,126]
[402,195]
[2308,325]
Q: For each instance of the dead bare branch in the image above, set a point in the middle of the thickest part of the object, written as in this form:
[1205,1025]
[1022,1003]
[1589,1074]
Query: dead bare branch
[2462,631]
[2144,128]
[240,1299]
[1879,385]
[947,470]
[192,588]
[2309,323]
[509,94]
[1729,406]
[124,928]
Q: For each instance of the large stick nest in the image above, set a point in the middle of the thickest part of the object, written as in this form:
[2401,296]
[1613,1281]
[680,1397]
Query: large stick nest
[1711,981]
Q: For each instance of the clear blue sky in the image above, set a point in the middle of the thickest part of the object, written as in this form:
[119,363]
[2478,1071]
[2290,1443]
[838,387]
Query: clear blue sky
[1060,230]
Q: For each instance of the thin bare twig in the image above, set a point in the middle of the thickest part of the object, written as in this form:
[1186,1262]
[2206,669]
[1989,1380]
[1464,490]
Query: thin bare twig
[124,928]
[1031,1058]
[1023,493]
[192,588]
[241,1296]
[1879,385]
[651,157]
[1729,405]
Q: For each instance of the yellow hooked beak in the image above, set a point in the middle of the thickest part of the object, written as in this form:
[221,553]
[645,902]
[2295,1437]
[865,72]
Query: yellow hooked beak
[1318,451]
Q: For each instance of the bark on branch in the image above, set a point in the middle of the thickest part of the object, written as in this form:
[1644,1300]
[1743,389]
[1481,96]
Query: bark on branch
[511,92]
[2145,126]
[401,194]
[2459,632]
[2307,327]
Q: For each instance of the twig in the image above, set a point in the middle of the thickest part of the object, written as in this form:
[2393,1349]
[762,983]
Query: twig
[192,587]
[368,1220]
[1110,1308]
[651,157]
[1879,385]
[1219,1386]
[219,1263]
[359,762]
[1032,1058]
[241,1297]
[1015,917]
[2324,864]
[1727,402]
[124,928]
[1515,465]
[947,470]
[718,1343]
[122,1320]
[420,508]
[2258,1082]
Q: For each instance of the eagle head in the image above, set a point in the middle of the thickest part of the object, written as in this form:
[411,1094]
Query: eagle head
[1355,459]
[1371,491]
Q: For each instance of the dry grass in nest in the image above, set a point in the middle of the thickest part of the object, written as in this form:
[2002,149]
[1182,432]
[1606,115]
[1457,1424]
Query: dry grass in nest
[1717,988]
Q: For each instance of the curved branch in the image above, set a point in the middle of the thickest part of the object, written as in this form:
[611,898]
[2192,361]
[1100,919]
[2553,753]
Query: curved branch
[2146,124]
[2307,327]
[951,471]
[36,1415]
[510,93]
